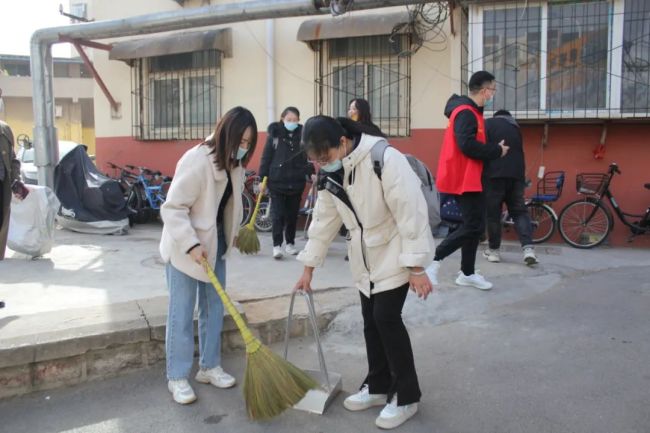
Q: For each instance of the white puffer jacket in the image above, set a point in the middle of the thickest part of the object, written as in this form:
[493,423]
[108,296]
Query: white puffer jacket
[190,210]
[394,232]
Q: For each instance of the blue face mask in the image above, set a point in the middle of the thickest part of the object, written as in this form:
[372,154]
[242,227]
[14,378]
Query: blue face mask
[332,166]
[489,103]
[291,126]
[241,153]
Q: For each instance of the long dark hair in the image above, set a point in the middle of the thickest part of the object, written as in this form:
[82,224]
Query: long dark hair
[321,133]
[227,136]
[365,116]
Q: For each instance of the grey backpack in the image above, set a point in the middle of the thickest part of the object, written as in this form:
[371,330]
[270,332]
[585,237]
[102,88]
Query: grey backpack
[428,184]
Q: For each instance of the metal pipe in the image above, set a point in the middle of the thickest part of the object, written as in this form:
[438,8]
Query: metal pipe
[43,100]
[270,70]
[96,76]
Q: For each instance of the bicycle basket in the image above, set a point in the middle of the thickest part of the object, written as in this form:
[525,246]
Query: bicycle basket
[549,188]
[591,183]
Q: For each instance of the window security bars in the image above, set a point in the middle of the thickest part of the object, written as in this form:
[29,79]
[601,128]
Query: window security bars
[367,67]
[568,59]
[176,97]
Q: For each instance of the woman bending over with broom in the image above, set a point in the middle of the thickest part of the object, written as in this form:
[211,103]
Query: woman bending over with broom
[390,245]
[201,218]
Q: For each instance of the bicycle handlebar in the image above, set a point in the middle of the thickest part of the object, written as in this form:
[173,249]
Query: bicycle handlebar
[613,168]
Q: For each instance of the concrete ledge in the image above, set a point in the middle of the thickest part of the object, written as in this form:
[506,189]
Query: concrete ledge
[63,348]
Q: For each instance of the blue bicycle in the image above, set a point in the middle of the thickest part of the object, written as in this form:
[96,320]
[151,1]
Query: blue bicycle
[147,194]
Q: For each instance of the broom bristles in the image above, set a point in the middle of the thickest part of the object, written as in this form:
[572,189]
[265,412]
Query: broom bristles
[247,241]
[272,384]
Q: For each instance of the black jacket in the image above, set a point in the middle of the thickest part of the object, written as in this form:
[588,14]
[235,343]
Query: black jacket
[513,164]
[285,164]
[465,128]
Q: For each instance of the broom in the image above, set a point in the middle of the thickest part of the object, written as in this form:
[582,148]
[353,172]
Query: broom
[271,383]
[247,240]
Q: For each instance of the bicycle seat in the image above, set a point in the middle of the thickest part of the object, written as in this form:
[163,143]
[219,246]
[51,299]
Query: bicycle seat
[647,186]
[546,198]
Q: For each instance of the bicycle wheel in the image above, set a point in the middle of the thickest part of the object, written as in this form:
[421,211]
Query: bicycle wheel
[247,203]
[263,222]
[136,203]
[585,223]
[543,220]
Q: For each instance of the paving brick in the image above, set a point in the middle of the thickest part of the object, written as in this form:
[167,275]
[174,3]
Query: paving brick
[58,372]
[15,381]
[109,362]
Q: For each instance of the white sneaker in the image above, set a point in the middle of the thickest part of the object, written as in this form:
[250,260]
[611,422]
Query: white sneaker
[363,400]
[182,391]
[393,415]
[291,250]
[216,376]
[529,256]
[492,255]
[277,252]
[432,272]
[474,280]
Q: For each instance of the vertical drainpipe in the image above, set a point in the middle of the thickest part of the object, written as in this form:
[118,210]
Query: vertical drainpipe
[45,156]
[270,71]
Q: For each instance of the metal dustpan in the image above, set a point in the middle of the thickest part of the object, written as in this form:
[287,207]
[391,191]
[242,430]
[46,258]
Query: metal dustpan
[316,400]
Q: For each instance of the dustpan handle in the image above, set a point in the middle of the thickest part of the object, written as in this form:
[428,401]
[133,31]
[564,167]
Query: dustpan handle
[312,318]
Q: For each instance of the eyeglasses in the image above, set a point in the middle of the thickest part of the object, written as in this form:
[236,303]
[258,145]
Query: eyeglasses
[492,89]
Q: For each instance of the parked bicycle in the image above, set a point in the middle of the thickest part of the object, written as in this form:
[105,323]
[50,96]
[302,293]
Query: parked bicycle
[251,190]
[587,222]
[307,209]
[542,216]
[147,193]
[123,176]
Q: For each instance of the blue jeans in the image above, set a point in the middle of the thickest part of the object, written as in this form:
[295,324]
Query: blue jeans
[179,340]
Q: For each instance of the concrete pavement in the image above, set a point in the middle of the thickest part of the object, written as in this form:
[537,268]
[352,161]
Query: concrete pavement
[558,349]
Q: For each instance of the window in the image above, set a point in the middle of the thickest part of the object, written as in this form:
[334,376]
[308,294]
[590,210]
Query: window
[635,94]
[16,69]
[568,59]
[370,68]
[581,29]
[176,96]
[512,52]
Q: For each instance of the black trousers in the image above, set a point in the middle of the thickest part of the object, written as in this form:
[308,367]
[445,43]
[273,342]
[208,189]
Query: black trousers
[510,191]
[468,235]
[391,368]
[284,214]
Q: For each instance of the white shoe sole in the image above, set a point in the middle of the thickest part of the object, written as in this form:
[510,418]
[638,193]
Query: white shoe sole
[391,423]
[463,283]
[179,401]
[492,259]
[354,406]
[207,381]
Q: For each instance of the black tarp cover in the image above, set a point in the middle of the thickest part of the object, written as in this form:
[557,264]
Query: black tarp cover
[85,192]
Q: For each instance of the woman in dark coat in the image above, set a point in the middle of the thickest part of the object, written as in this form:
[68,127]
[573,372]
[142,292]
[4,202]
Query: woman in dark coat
[287,168]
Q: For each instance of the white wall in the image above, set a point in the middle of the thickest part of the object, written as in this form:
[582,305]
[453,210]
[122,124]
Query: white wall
[244,74]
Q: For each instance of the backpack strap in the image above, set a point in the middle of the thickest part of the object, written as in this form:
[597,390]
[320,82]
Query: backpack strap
[377,156]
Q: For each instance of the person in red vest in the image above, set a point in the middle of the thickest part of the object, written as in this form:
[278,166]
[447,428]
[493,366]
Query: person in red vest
[460,170]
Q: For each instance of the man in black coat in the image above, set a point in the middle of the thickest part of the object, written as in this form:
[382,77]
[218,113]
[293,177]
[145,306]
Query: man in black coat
[505,182]
[286,166]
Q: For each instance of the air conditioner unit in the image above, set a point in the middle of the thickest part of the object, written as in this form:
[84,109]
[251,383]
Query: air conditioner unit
[58,110]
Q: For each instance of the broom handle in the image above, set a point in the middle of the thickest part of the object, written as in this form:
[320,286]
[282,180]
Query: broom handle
[252,343]
[257,205]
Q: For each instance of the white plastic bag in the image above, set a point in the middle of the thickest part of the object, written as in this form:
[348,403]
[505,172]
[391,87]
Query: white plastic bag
[31,222]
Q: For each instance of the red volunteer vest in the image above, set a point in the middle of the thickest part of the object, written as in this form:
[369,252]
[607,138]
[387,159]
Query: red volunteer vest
[458,173]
